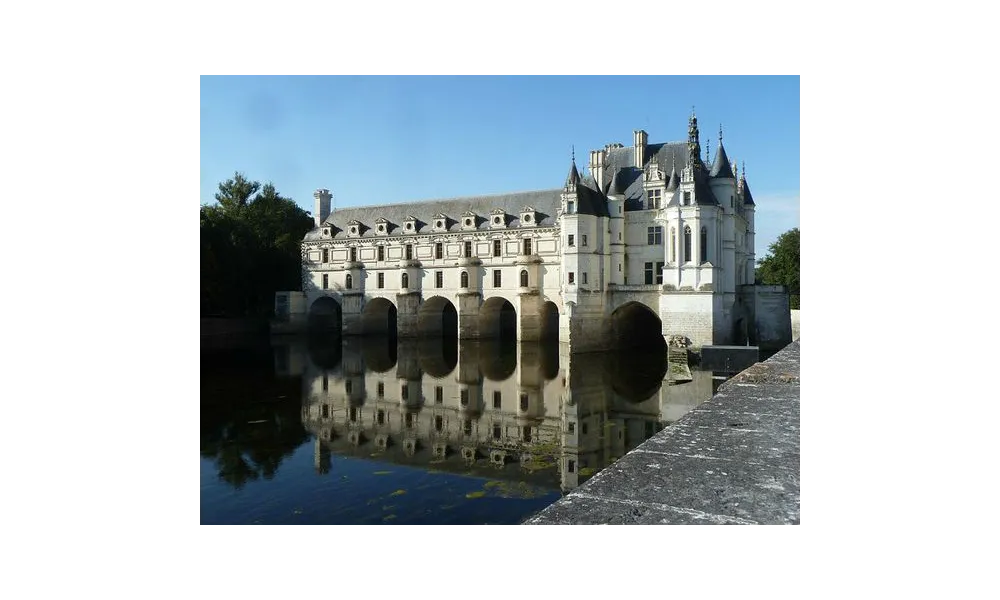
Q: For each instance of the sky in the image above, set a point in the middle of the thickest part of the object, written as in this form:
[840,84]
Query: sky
[378,140]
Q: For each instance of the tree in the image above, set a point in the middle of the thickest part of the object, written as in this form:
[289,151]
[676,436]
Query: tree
[249,248]
[781,265]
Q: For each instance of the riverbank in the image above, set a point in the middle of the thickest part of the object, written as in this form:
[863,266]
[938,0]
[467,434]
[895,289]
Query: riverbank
[732,460]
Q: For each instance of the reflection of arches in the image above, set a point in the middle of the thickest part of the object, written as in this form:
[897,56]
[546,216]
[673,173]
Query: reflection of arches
[325,314]
[437,356]
[497,359]
[636,376]
[497,319]
[635,325]
[549,321]
[437,316]
[324,352]
[379,353]
[378,317]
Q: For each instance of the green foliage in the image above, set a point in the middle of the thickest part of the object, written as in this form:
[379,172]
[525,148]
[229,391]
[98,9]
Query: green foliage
[249,248]
[781,265]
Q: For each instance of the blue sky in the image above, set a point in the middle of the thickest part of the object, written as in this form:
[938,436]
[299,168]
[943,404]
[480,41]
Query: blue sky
[373,140]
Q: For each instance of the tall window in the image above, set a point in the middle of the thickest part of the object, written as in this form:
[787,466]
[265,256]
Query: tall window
[463,398]
[326,281]
[497,399]
[704,245]
[527,246]
[524,279]
[354,254]
[438,250]
[381,253]
[687,198]
[571,240]
[438,279]
[649,273]
[381,280]
[380,390]
[409,252]
[654,236]
[572,277]
[468,249]
[496,278]
[349,281]
[496,247]
[326,255]
[687,243]
[583,278]
[404,281]
[653,198]
[465,279]
[673,245]
[583,240]
[438,394]
[524,402]
[570,207]
[659,273]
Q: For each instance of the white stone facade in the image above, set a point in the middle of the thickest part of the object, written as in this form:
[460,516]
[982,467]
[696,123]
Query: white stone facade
[651,225]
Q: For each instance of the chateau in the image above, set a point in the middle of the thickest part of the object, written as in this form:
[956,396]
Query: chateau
[650,239]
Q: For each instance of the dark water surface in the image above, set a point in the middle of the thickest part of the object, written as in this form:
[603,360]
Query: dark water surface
[373,430]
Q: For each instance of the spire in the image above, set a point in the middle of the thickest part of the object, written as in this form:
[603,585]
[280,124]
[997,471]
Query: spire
[721,167]
[745,188]
[617,187]
[573,177]
[674,180]
[694,146]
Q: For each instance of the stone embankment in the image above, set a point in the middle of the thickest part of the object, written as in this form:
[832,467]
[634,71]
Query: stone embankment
[732,460]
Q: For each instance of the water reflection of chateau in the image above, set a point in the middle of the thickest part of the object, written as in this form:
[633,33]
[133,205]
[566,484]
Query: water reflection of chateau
[520,411]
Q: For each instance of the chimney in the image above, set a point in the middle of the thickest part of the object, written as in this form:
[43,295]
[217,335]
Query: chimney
[322,211]
[597,166]
[640,138]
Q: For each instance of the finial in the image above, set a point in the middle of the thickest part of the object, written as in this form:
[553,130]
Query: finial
[573,150]
[720,134]
[744,169]
[708,150]
[692,110]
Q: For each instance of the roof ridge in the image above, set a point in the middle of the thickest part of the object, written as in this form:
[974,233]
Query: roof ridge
[456,198]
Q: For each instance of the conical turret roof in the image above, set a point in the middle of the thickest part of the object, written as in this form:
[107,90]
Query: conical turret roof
[721,167]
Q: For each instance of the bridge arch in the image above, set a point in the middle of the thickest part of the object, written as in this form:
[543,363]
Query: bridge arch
[379,317]
[325,314]
[437,316]
[549,321]
[497,319]
[635,325]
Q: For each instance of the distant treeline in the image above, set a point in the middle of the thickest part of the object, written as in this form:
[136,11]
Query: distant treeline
[781,265]
[250,244]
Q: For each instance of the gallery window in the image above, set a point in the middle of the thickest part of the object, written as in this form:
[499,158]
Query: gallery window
[468,249]
[496,247]
[527,246]
[354,255]
[381,253]
[438,279]
[326,281]
[409,252]
[326,255]
[496,278]
[654,236]
[649,273]
[381,280]
[438,250]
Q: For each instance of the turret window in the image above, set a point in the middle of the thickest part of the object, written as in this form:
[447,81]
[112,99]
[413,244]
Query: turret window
[583,278]
[704,245]
[524,279]
[583,240]
[572,277]
[326,281]
[673,245]
[349,282]
[571,240]
[465,279]
[404,281]
[687,243]
[687,198]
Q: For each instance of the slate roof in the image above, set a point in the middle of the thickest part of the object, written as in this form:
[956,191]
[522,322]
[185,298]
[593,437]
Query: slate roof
[747,198]
[545,202]
[721,167]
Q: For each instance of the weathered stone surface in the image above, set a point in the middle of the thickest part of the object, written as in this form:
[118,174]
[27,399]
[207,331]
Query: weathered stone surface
[733,459]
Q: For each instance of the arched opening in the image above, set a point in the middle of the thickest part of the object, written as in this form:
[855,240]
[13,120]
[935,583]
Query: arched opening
[497,319]
[497,359]
[379,318]
[687,244]
[379,353]
[703,239]
[437,357]
[549,322]
[325,315]
[634,325]
[524,278]
[349,282]
[465,279]
[437,317]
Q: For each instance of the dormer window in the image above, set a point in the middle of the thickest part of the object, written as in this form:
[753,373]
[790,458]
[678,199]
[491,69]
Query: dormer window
[326,233]
[440,222]
[353,228]
[528,217]
[468,220]
[382,226]
[498,218]
[410,224]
